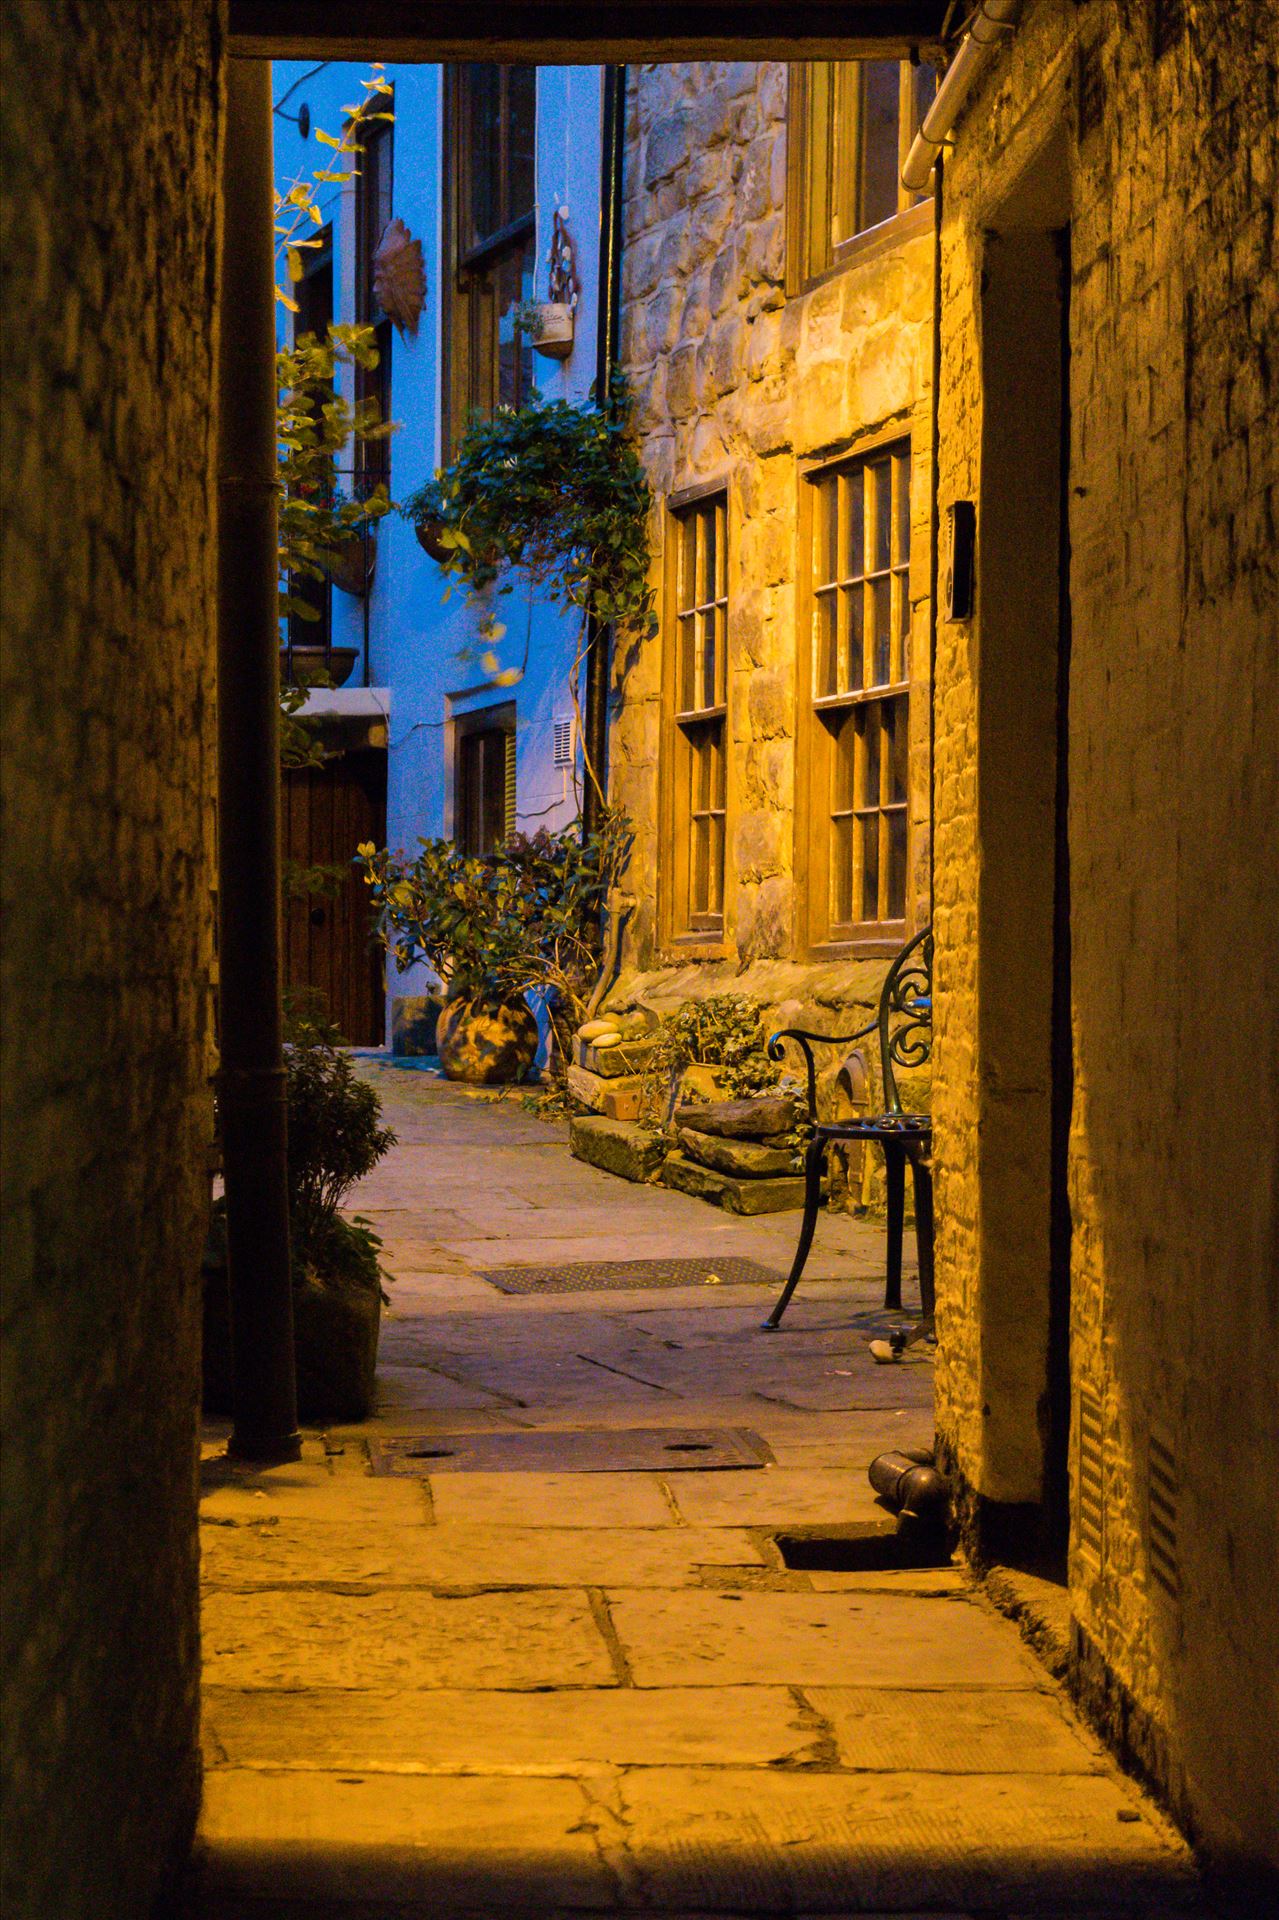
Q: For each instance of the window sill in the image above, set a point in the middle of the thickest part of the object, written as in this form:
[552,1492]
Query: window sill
[682,947]
[864,247]
[871,946]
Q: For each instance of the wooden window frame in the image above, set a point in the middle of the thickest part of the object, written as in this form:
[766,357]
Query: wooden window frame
[500,719]
[468,333]
[694,726]
[826,714]
[825,105]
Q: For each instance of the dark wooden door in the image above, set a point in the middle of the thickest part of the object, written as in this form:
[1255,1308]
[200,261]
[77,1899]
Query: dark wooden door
[328,945]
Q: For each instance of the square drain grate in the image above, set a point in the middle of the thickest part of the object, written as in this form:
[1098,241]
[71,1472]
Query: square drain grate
[601,1276]
[576,1450]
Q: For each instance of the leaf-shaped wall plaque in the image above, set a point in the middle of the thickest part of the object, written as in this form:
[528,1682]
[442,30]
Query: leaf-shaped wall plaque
[399,276]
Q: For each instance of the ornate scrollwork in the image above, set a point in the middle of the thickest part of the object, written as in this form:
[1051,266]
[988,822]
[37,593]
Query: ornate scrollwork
[907,997]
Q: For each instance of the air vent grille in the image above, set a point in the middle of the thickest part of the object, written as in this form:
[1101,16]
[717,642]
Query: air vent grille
[1090,1479]
[1162,1490]
[563,742]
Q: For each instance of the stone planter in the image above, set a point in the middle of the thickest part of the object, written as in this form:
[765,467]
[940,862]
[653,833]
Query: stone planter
[485,1046]
[553,332]
[313,666]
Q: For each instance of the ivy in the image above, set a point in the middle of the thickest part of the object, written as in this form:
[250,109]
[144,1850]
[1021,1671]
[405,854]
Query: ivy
[556,491]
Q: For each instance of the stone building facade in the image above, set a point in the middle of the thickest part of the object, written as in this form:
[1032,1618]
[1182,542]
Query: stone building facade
[764,382]
[111,128]
[1105,1097]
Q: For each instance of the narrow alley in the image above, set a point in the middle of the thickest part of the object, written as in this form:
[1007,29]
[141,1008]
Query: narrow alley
[507,1648]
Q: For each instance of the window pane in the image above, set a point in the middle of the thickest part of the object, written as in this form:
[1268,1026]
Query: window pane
[867,904]
[686,685]
[842,755]
[841,871]
[521,136]
[880,478]
[897,731]
[925,93]
[707,574]
[868,777]
[881,94]
[855,484]
[826,674]
[895,903]
[828,560]
[515,352]
[856,601]
[881,629]
[901,493]
[715,862]
[484,159]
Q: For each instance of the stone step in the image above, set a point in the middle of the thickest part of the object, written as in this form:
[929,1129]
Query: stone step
[616,1146]
[749,1195]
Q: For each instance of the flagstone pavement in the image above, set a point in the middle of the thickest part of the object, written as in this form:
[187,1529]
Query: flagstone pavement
[478,1690]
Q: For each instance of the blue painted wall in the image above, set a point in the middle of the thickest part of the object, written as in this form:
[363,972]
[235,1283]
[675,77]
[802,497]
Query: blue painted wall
[415,640]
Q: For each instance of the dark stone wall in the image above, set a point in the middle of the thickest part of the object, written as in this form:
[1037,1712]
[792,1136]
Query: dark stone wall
[110,130]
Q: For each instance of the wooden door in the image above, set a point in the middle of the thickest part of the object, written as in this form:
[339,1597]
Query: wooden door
[328,945]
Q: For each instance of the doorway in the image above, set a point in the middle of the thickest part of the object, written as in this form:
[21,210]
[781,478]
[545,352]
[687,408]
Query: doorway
[1023,604]
[329,951]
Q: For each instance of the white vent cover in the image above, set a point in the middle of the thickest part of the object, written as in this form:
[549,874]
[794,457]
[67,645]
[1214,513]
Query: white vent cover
[563,739]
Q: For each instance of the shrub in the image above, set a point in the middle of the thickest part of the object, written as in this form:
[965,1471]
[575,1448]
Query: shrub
[334,1139]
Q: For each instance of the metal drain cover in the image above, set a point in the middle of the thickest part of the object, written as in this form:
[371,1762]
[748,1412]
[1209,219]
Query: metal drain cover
[577,1450]
[598,1276]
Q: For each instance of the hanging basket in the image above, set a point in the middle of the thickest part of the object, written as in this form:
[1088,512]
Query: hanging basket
[428,538]
[352,566]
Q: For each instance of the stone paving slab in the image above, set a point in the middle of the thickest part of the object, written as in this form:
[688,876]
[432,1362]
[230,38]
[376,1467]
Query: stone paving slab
[315,1493]
[845,1843]
[806,1639]
[420,1387]
[302,1637]
[459,1555]
[955,1730]
[778,1497]
[552,1499]
[452,1731]
[507,1845]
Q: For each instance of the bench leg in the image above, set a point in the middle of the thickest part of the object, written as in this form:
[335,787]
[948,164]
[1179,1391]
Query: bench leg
[895,1168]
[813,1161]
[923,1174]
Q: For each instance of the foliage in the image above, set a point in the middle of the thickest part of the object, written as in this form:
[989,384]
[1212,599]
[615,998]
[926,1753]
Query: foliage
[335,1136]
[525,918]
[723,1031]
[557,491]
[314,424]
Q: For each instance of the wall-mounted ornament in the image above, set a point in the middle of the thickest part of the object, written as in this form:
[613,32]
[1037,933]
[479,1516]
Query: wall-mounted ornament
[550,322]
[399,276]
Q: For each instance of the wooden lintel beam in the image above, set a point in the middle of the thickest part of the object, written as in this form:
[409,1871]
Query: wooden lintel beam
[562,33]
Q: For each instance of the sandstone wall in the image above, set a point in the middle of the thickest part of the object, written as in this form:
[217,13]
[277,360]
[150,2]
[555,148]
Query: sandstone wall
[110,129]
[735,381]
[1168,159]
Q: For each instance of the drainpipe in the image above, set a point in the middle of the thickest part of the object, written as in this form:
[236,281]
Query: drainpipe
[993,20]
[251,1093]
[607,354]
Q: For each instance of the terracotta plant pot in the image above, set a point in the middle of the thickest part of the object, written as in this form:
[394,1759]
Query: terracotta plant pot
[554,334]
[486,1046]
[311,666]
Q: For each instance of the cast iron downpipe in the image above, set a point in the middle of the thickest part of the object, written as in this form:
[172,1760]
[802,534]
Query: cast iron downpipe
[251,1083]
[607,353]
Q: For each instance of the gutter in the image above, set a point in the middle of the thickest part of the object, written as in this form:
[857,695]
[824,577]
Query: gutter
[991,22]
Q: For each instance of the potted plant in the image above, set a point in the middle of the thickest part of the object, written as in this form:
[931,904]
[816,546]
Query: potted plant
[523,921]
[335,1137]
[549,325]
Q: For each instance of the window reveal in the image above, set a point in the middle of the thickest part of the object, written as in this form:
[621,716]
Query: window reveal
[700,709]
[860,677]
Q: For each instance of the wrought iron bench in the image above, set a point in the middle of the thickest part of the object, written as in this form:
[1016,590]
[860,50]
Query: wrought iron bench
[904,1025]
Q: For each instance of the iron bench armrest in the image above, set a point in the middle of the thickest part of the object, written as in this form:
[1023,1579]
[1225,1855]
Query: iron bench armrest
[804,1039]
